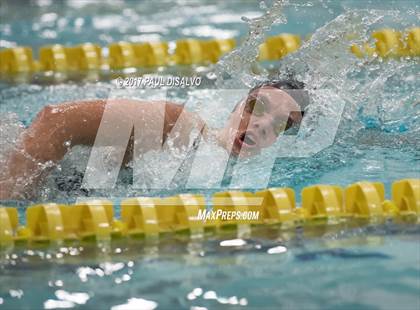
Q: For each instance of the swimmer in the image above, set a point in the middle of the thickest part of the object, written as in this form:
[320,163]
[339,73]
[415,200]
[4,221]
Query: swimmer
[254,124]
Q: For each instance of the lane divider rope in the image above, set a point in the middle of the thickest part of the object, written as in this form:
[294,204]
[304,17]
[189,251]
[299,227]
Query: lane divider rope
[360,203]
[386,43]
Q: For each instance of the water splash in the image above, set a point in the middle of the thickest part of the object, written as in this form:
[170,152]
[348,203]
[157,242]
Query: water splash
[384,88]
[379,95]
[236,69]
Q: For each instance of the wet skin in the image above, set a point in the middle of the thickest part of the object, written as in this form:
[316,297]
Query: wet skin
[252,127]
[254,124]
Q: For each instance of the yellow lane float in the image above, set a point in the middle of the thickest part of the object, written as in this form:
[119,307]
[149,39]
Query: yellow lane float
[322,205]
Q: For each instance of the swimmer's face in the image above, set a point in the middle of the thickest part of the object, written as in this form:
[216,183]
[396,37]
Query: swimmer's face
[259,119]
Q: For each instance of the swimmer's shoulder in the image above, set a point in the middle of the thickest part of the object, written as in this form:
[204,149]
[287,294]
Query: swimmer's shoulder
[173,112]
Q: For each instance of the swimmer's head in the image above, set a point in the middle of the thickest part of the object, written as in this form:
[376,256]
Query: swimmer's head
[269,109]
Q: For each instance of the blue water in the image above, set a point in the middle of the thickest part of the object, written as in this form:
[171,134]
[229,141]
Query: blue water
[74,22]
[379,143]
[376,268]
[343,268]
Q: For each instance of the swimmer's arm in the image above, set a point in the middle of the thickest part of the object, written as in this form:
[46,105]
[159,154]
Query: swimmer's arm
[59,127]
[45,142]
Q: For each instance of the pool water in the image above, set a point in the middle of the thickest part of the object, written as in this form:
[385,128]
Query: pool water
[376,139]
[74,21]
[364,268]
